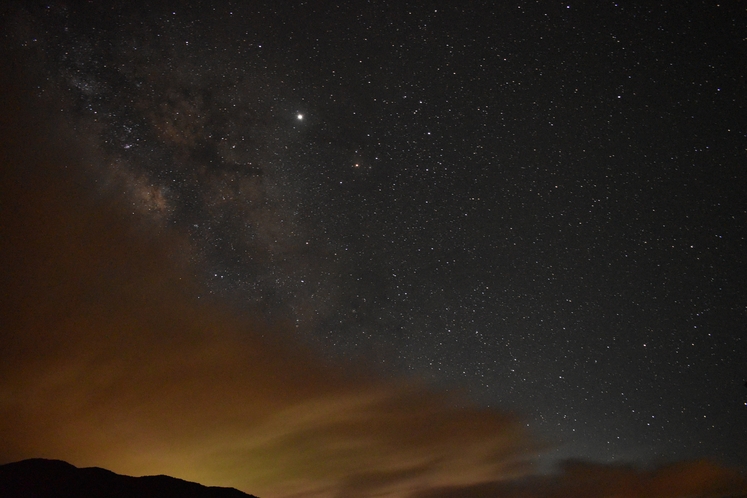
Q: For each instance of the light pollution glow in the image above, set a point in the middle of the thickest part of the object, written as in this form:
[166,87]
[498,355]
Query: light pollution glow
[108,359]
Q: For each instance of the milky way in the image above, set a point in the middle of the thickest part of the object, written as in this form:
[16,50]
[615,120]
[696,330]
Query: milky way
[541,205]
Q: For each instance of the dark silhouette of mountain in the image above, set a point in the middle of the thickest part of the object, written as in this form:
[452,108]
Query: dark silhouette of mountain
[41,478]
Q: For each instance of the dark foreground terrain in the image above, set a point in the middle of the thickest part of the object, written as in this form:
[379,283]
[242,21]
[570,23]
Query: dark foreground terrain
[40,478]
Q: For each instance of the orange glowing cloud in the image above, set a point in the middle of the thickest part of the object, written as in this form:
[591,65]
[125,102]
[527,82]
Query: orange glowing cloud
[109,359]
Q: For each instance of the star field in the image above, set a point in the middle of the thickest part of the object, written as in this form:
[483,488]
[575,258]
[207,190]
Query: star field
[540,203]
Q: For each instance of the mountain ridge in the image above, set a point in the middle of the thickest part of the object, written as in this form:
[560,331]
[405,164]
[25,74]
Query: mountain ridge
[47,478]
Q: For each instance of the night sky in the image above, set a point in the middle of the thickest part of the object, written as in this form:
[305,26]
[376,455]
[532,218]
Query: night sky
[515,230]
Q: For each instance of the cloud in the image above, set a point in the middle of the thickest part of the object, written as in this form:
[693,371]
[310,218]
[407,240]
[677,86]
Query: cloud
[109,358]
[586,480]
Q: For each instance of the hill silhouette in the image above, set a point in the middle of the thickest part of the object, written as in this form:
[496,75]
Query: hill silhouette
[42,478]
